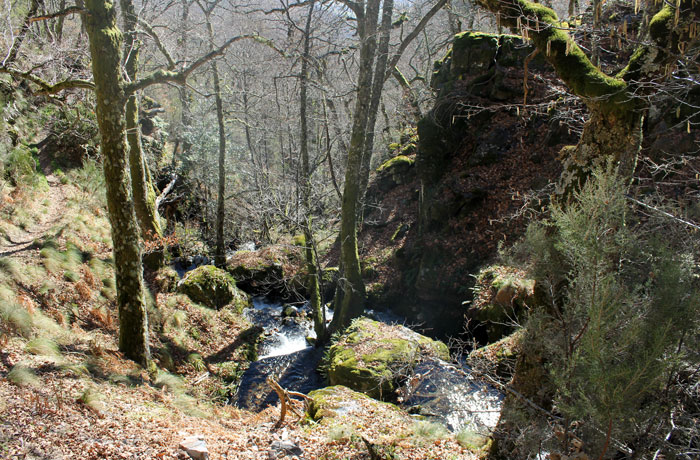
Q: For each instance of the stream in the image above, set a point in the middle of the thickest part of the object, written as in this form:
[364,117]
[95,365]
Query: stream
[438,391]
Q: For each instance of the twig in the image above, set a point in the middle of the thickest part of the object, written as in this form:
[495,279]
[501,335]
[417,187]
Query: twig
[286,400]
[667,214]
[283,400]
[65,12]
[201,378]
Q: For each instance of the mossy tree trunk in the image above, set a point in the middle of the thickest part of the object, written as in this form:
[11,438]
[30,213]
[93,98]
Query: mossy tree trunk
[350,295]
[311,266]
[141,183]
[377,87]
[614,127]
[106,50]
[220,255]
[183,140]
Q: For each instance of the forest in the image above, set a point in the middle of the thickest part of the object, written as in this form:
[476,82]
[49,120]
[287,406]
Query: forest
[350,229]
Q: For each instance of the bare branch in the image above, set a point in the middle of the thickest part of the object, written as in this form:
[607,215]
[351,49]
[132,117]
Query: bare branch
[411,36]
[152,33]
[65,12]
[46,87]
[180,78]
[355,7]
[17,42]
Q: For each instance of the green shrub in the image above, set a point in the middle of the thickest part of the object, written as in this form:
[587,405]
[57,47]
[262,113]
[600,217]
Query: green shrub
[20,166]
[619,296]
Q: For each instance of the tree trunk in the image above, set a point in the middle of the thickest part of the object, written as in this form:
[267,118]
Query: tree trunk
[377,86]
[350,295]
[185,115]
[614,128]
[105,49]
[312,281]
[142,187]
[220,256]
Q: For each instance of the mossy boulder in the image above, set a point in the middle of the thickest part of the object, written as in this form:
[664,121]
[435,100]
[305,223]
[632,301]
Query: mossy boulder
[502,296]
[373,357]
[258,272]
[166,279]
[340,402]
[212,287]
[329,281]
[498,358]
[396,171]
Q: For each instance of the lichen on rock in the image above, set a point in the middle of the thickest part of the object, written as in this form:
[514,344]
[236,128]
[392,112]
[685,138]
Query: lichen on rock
[372,357]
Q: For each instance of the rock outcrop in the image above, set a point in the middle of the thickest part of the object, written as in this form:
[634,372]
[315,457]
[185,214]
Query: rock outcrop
[373,357]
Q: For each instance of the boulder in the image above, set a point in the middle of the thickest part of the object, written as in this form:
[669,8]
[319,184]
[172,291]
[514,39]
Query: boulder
[166,279]
[503,294]
[395,171]
[264,272]
[196,447]
[373,357]
[212,287]
[341,403]
[282,449]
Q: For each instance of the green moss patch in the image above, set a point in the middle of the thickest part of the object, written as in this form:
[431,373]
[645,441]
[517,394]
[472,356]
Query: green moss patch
[212,287]
[502,295]
[372,357]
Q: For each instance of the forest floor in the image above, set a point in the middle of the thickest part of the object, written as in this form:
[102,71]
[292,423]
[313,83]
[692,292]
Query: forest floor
[67,392]
[18,240]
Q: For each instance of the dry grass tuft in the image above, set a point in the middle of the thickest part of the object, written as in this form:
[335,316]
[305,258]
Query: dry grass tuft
[23,376]
[92,399]
[43,346]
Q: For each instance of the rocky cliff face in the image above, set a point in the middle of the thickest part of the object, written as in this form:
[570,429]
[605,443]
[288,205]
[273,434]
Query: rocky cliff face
[456,189]
[445,208]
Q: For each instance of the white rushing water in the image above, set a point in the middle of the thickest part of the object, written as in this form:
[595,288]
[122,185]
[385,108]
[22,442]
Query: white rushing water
[283,335]
[444,391]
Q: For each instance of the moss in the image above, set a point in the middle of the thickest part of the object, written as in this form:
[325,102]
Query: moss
[502,295]
[211,286]
[609,94]
[400,161]
[166,279]
[339,401]
[474,441]
[372,357]
[299,240]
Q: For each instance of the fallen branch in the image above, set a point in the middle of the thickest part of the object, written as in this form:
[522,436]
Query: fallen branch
[46,87]
[287,403]
[165,192]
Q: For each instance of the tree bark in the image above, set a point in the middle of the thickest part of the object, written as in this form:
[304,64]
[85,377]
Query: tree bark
[613,131]
[220,256]
[144,193]
[106,51]
[312,280]
[377,86]
[350,294]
